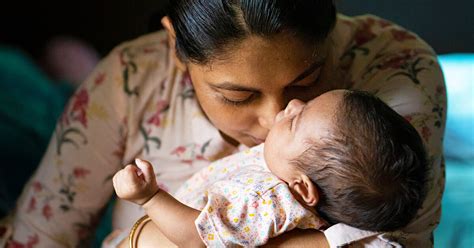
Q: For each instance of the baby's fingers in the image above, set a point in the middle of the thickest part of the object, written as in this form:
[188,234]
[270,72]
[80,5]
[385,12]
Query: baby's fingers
[147,170]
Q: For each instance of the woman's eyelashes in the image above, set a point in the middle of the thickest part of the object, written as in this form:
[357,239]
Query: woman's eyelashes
[293,91]
[237,102]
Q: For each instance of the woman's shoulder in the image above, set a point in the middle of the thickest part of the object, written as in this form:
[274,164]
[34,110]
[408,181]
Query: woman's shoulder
[370,37]
[369,47]
[148,54]
[142,44]
[144,67]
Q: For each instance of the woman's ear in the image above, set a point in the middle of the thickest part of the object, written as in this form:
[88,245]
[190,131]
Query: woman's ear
[306,189]
[166,22]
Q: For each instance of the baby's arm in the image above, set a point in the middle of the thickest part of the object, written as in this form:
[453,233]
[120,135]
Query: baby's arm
[173,218]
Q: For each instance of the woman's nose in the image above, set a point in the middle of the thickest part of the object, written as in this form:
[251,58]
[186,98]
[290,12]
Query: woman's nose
[269,111]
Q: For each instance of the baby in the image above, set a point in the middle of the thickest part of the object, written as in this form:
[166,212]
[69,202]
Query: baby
[344,157]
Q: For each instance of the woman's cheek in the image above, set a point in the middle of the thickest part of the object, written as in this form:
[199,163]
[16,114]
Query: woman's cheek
[235,118]
[224,116]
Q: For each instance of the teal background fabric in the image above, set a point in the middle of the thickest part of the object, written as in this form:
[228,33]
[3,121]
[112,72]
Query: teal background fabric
[457,221]
[29,105]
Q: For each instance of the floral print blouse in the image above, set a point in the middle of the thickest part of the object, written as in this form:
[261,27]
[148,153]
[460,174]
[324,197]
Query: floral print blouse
[138,103]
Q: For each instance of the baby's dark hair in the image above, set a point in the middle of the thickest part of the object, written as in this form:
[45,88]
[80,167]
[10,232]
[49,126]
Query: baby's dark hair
[371,172]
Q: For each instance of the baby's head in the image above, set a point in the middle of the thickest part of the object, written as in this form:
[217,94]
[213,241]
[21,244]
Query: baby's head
[352,157]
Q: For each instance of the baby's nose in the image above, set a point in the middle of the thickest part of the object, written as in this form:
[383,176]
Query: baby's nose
[293,107]
[279,116]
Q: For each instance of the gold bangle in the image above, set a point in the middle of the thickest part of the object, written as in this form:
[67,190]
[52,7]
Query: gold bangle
[136,229]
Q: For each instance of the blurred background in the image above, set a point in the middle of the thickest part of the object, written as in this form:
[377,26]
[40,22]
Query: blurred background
[36,37]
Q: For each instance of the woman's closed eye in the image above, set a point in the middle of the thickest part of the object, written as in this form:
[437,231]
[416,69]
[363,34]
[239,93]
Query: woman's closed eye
[237,98]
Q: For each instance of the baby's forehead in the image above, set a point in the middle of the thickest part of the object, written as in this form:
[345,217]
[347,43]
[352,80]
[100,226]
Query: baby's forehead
[319,117]
[328,103]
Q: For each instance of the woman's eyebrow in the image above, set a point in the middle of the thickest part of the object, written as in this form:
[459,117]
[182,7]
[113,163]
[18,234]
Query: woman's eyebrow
[233,87]
[312,68]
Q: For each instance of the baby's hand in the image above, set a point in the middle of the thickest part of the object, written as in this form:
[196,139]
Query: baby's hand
[136,184]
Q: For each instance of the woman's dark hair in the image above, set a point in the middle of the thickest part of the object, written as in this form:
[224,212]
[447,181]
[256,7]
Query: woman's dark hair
[206,28]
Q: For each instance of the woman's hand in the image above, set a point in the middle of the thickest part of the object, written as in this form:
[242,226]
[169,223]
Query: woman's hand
[136,184]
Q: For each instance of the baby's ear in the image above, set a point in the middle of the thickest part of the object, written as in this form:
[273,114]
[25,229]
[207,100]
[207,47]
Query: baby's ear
[306,189]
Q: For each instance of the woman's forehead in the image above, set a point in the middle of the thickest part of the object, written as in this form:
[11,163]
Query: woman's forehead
[260,61]
[278,48]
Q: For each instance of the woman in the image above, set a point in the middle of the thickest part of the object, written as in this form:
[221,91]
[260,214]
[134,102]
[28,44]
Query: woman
[212,84]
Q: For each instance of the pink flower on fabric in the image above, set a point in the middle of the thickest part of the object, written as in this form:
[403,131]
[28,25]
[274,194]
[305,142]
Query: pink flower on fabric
[81,99]
[200,157]
[31,205]
[15,244]
[32,242]
[402,35]
[99,79]
[178,151]
[384,23]
[394,63]
[161,106]
[187,161]
[409,118]
[365,34]
[79,106]
[47,211]
[80,172]
[121,58]
[82,118]
[37,187]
